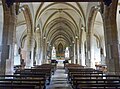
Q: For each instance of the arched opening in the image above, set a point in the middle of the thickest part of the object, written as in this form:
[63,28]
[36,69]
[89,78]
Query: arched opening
[20,38]
[98,41]
[118,20]
[83,48]
[16,56]
[97,58]
[24,49]
[23,34]
[1,25]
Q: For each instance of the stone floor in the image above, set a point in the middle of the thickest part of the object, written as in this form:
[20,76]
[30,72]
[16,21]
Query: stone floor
[59,80]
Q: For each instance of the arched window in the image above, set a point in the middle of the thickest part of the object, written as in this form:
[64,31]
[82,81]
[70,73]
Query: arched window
[16,56]
[1,21]
[53,53]
[15,50]
[67,53]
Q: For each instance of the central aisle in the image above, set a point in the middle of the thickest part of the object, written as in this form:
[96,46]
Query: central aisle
[59,79]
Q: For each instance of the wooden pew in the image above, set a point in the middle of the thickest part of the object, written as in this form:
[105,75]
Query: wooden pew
[48,70]
[79,82]
[94,76]
[13,86]
[42,79]
[52,67]
[83,72]
[85,78]
[80,79]
[101,86]
[44,70]
[23,82]
[36,71]
[72,65]
[76,77]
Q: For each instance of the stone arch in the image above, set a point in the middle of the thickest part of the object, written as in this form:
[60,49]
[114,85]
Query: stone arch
[90,24]
[23,40]
[24,29]
[28,30]
[29,40]
[28,18]
[91,19]
[99,34]
[83,46]
[92,31]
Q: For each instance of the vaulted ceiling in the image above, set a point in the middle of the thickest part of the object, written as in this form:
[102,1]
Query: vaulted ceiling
[59,22]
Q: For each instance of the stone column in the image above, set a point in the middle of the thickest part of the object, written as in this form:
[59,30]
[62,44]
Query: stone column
[29,60]
[44,51]
[48,52]
[7,55]
[38,59]
[32,54]
[74,61]
[80,46]
[82,54]
[72,53]
[90,50]
[111,39]
[92,61]
[41,56]
[78,51]
[88,62]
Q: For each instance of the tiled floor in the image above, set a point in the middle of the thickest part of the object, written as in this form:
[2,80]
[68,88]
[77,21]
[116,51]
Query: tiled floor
[59,80]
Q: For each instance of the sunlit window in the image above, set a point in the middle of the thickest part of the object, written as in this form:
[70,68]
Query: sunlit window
[16,56]
[15,50]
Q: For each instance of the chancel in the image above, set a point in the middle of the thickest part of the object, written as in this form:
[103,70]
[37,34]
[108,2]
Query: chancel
[48,44]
